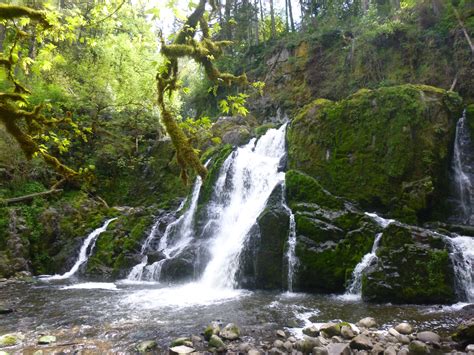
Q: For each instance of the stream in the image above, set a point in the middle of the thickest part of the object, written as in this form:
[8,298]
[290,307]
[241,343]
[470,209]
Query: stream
[115,317]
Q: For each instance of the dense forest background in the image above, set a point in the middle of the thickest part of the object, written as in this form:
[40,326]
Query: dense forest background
[91,75]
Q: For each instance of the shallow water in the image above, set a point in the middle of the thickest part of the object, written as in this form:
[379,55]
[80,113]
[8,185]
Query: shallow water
[126,313]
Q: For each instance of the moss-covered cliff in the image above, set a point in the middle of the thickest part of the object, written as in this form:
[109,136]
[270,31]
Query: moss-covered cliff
[388,149]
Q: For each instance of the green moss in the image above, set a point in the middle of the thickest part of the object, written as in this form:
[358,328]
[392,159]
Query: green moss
[330,269]
[470,118]
[213,173]
[303,188]
[261,130]
[123,237]
[371,145]
[423,268]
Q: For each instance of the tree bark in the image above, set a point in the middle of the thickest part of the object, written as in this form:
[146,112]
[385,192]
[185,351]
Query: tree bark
[463,28]
[290,11]
[272,20]
[365,6]
[228,27]
[29,197]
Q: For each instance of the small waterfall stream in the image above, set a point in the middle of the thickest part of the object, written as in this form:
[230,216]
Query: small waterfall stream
[175,238]
[463,261]
[249,176]
[355,288]
[462,166]
[84,253]
[291,258]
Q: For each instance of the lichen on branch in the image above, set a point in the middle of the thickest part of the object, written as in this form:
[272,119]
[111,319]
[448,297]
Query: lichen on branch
[22,124]
[203,51]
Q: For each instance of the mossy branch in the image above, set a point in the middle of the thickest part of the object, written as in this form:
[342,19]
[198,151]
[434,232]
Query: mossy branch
[11,12]
[203,52]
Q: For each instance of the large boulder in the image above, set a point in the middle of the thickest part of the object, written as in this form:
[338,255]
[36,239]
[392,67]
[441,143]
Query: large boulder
[332,235]
[386,148]
[262,260]
[413,266]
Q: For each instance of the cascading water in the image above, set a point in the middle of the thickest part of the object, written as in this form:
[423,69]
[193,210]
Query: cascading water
[175,238]
[355,288]
[290,253]
[463,173]
[246,180]
[291,256]
[463,261]
[84,253]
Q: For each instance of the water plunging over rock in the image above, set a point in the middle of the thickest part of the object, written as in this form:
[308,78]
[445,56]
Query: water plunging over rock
[463,261]
[84,253]
[173,241]
[355,287]
[463,173]
[249,176]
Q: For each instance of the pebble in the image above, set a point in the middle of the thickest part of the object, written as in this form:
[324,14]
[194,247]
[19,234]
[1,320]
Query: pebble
[390,351]
[46,339]
[280,333]
[278,344]
[181,349]
[404,328]
[367,322]
[429,337]
[361,342]
[146,346]
[417,347]
[339,349]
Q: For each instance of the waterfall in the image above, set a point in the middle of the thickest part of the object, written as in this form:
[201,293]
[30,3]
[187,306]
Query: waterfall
[246,180]
[290,253]
[355,287]
[291,256]
[84,253]
[463,174]
[463,261]
[176,237]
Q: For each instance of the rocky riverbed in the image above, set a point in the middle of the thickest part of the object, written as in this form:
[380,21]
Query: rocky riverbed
[105,318]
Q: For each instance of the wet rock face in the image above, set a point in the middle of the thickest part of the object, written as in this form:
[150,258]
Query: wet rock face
[263,256]
[386,148]
[234,130]
[332,235]
[413,266]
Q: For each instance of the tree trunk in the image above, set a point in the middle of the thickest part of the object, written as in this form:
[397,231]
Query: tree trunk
[2,36]
[463,28]
[257,30]
[365,6]
[292,22]
[31,196]
[287,21]
[272,20]
[228,26]
[262,20]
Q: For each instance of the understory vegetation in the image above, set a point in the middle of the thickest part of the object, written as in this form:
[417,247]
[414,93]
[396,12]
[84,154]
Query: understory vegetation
[111,104]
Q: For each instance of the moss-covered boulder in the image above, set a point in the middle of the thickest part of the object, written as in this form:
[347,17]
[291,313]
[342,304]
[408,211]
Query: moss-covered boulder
[332,235]
[116,249]
[386,148]
[44,236]
[413,266]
